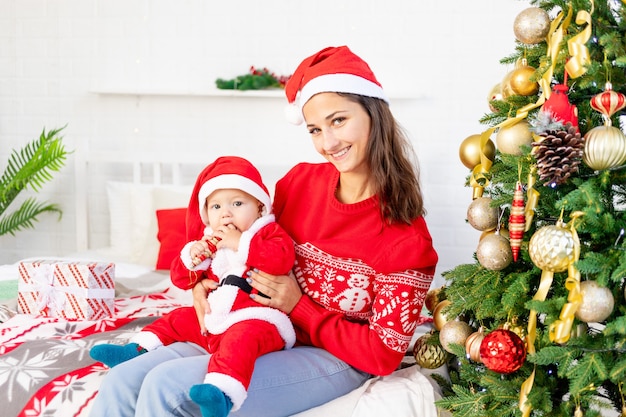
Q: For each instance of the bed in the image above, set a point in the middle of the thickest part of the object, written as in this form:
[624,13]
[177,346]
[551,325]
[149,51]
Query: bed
[130,213]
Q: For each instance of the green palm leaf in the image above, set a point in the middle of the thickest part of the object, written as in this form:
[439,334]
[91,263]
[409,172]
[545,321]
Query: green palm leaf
[30,167]
[26,216]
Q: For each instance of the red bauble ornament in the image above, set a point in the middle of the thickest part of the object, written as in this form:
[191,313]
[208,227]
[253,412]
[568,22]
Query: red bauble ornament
[608,102]
[503,351]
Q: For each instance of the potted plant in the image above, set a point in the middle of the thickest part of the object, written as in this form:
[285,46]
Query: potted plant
[31,167]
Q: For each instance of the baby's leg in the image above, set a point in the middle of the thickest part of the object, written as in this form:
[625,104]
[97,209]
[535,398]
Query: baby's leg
[180,325]
[231,365]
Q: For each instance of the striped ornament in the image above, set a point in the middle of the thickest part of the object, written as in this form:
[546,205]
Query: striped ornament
[608,102]
[517,221]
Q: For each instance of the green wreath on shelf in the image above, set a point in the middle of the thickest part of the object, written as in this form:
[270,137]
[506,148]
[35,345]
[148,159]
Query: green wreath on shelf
[255,79]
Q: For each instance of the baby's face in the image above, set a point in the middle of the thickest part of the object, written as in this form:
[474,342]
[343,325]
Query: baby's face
[231,207]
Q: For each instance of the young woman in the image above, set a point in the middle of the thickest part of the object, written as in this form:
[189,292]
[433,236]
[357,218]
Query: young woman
[364,260]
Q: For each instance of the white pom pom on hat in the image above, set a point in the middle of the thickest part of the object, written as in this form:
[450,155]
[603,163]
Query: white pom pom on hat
[333,69]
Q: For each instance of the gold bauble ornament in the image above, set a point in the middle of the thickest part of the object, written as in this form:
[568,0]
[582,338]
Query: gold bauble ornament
[428,353]
[439,318]
[597,303]
[520,80]
[494,252]
[456,332]
[469,151]
[531,26]
[481,215]
[551,248]
[472,345]
[579,330]
[510,138]
[494,94]
[605,147]
[515,328]
[432,298]
[503,232]
[505,85]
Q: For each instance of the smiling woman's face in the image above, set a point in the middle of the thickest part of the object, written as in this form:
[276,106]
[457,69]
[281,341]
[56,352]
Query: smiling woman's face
[340,131]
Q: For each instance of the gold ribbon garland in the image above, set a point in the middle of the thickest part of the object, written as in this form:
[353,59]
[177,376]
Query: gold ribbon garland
[478,178]
[561,329]
[532,197]
[540,295]
[579,53]
[544,286]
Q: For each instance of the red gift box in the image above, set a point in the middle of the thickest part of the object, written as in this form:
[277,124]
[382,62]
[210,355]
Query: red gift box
[67,289]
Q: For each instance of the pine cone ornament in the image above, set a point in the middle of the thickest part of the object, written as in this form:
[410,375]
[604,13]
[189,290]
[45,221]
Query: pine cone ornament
[558,154]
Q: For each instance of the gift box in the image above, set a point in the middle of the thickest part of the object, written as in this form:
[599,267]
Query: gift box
[66,289]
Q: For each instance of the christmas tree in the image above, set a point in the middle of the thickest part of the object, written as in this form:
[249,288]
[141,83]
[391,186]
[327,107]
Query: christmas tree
[537,324]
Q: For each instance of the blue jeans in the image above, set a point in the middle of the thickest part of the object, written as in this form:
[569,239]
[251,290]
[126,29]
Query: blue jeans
[157,383]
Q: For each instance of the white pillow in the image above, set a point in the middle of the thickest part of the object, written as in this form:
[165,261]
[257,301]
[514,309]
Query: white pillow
[133,223]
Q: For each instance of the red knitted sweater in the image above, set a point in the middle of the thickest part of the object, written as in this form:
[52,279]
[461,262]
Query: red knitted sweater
[364,281]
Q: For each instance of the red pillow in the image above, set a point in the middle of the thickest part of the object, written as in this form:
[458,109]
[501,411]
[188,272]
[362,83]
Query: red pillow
[171,235]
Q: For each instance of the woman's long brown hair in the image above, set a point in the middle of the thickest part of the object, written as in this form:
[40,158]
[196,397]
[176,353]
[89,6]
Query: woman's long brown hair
[393,163]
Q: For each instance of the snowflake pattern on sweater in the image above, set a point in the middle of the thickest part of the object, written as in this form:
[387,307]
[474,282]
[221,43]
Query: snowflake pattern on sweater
[390,303]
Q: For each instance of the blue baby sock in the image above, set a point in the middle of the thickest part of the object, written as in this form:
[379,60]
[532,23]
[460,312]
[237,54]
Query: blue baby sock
[212,401]
[112,355]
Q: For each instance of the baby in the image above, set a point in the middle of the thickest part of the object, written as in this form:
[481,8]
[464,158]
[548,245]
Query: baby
[239,234]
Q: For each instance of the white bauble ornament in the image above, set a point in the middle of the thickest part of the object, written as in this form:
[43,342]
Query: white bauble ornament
[481,215]
[454,332]
[597,304]
[494,252]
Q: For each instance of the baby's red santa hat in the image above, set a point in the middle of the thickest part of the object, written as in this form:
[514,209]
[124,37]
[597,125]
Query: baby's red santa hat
[230,172]
[333,69]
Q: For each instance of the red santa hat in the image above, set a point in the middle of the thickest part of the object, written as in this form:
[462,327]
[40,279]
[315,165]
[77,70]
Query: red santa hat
[333,69]
[230,172]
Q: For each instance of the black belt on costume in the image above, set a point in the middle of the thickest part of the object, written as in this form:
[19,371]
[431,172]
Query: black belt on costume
[241,283]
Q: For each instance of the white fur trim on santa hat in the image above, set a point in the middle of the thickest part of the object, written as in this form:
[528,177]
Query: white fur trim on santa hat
[341,83]
[335,83]
[232,181]
[229,386]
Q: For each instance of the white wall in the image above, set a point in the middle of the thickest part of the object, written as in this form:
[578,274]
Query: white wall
[437,60]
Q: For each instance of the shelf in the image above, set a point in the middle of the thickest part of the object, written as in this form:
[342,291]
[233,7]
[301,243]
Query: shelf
[269,93]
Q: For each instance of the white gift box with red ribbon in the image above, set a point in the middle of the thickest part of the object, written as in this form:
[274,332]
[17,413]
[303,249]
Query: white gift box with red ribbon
[73,290]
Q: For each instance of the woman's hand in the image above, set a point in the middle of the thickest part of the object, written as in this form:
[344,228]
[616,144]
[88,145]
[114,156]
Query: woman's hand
[283,290]
[200,303]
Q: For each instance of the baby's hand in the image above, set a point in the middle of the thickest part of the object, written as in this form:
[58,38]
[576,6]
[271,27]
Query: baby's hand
[203,249]
[229,237]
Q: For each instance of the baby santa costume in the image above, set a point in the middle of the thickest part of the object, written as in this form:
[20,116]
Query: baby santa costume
[239,329]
